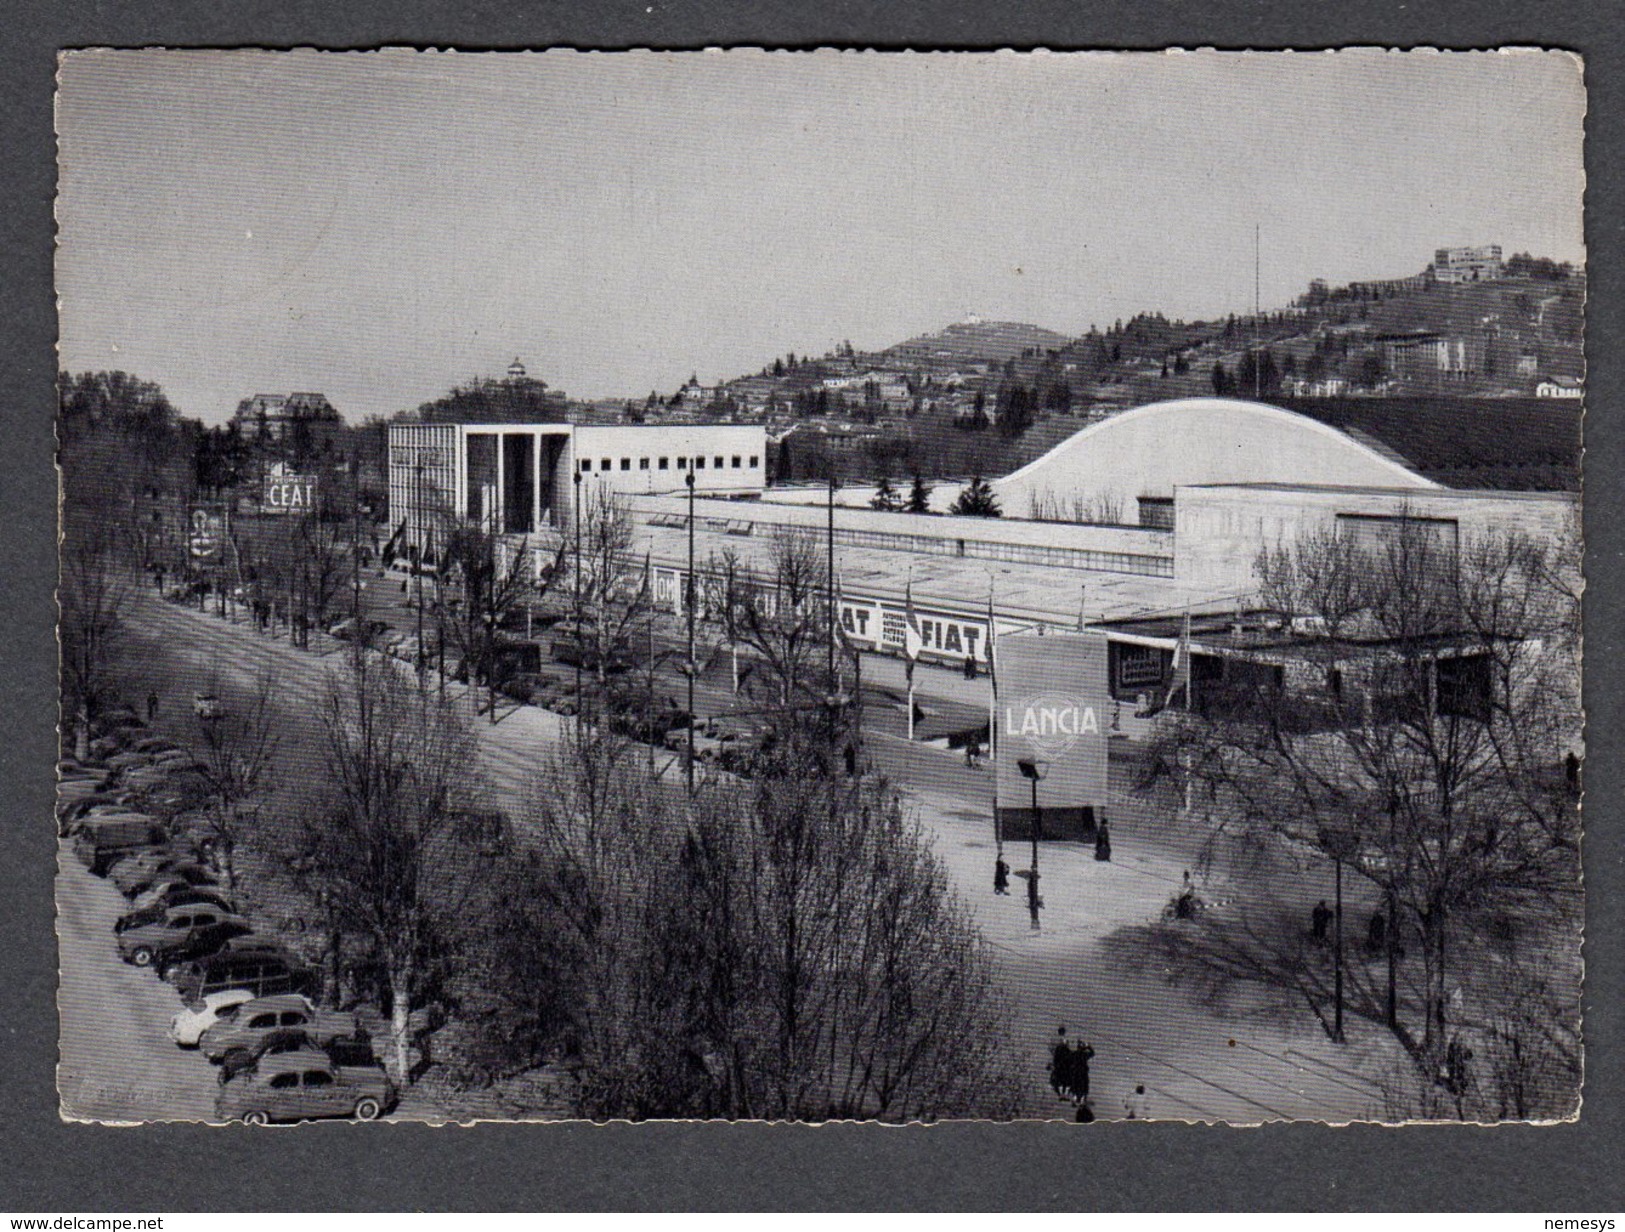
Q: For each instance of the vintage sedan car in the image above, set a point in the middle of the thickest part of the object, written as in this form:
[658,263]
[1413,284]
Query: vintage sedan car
[189,1024]
[245,962]
[136,875]
[155,903]
[256,1018]
[104,841]
[184,932]
[297,1086]
[342,1051]
[207,706]
[145,862]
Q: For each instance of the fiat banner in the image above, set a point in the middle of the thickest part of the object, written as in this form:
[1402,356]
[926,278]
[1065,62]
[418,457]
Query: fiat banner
[1052,710]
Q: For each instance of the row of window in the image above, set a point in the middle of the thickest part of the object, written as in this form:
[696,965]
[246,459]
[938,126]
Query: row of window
[720,462]
[1011,553]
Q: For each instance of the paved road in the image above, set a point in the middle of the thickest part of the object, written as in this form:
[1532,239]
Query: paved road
[117,1061]
[1197,1062]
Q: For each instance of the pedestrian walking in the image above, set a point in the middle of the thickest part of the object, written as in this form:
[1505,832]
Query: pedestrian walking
[973,753]
[1137,1106]
[1376,933]
[1103,842]
[1060,1057]
[152,705]
[1001,876]
[1081,1055]
[1320,920]
[970,667]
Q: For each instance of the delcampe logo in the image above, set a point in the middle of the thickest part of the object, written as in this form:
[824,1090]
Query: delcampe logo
[1053,722]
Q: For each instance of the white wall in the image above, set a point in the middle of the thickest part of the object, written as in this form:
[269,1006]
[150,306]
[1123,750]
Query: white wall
[1222,529]
[637,443]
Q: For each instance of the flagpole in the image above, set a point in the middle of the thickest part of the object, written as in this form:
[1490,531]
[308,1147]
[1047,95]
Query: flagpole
[910,650]
[992,715]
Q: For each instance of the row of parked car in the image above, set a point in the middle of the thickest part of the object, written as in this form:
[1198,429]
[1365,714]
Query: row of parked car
[136,814]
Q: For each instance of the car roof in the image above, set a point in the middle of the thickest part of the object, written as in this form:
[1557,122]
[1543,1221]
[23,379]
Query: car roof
[279,1001]
[283,1062]
[226,996]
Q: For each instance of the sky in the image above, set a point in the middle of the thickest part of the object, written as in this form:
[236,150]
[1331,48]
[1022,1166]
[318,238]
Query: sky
[382,226]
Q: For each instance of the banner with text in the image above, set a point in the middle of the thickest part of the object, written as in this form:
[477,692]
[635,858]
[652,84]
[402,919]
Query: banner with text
[1052,709]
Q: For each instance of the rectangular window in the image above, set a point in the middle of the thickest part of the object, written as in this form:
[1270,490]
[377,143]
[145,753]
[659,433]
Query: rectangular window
[699,463]
[1465,685]
[605,463]
[626,464]
[643,464]
[682,464]
[719,461]
[1381,533]
[586,464]
[1157,512]
[663,464]
[736,461]
[753,459]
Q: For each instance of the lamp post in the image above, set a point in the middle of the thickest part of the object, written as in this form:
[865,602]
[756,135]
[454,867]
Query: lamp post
[829,579]
[417,564]
[688,606]
[1033,771]
[1341,845]
[580,643]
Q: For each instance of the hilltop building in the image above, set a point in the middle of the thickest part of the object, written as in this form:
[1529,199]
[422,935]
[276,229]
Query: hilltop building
[1481,264]
[273,417]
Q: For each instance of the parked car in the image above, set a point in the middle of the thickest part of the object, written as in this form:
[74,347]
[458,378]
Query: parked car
[338,1049]
[128,761]
[296,1086]
[265,971]
[345,629]
[182,868]
[207,706]
[255,1019]
[153,905]
[138,870]
[102,842]
[190,1022]
[525,687]
[183,932]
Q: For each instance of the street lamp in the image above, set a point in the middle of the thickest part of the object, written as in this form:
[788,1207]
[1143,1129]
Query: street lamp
[688,604]
[1033,771]
[1341,845]
[580,646]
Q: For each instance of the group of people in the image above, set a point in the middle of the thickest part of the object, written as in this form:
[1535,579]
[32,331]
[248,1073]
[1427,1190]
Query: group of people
[1069,1078]
[1376,932]
[1069,1073]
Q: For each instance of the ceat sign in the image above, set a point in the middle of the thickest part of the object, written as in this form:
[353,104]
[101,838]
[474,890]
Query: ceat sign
[286,492]
[1051,708]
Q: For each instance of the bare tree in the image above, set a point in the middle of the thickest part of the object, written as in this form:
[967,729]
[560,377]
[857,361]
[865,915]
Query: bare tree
[237,751]
[93,593]
[1422,752]
[761,951]
[386,847]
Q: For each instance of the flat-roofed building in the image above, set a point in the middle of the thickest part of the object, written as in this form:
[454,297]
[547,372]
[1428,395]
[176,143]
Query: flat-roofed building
[521,479]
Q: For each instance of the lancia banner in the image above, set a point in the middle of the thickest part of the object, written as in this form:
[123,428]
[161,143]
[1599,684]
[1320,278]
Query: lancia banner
[1053,710]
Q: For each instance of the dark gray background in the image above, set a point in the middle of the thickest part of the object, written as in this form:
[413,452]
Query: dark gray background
[47,1167]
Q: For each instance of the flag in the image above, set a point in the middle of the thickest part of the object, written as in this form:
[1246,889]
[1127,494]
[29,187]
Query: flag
[1179,680]
[394,544]
[841,638]
[912,641]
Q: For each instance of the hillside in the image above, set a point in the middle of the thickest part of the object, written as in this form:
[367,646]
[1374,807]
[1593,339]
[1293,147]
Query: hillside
[974,340]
